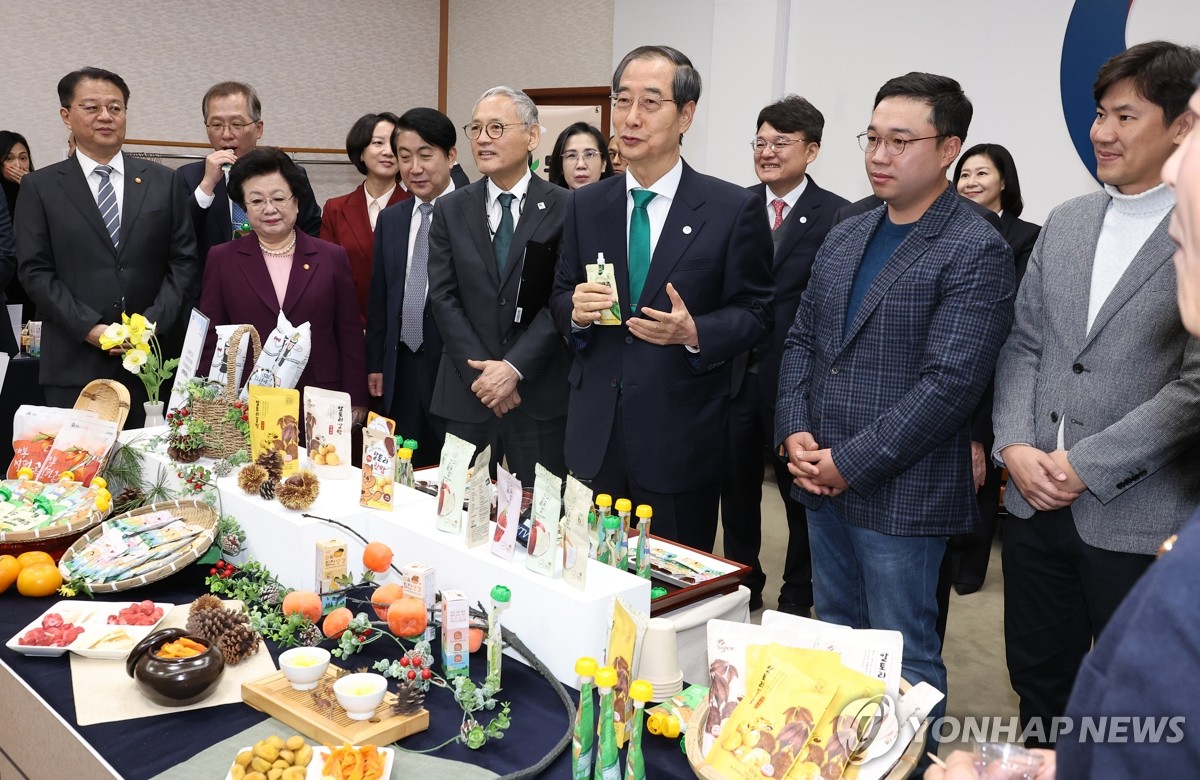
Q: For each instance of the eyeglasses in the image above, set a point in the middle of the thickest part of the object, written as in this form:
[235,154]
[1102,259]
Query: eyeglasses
[647,103]
[494,129]
[258,204]
[894,145]
[614,154]
[114,110]
[589,156]
[759,145]
[221,127]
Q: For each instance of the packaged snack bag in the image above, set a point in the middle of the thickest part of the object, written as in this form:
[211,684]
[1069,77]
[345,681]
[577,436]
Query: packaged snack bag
[544,520]
[284,355]
[378,463]
[219,369]
[80,448]
[34,431]
[479,500]
[508,514]
[275,425]
[327,422]
[456,457]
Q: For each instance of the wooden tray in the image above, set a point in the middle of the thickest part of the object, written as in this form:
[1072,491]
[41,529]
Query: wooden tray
[275,696]
[680,596]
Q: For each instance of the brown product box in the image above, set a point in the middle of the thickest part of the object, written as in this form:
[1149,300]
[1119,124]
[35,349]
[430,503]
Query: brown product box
[332,562]
[420,582]
[456,633]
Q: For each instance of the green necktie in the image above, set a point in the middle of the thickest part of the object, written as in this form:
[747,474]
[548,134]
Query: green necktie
[639,246]
[503,238]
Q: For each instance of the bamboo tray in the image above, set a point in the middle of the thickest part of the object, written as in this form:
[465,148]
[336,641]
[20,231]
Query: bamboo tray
[275,696]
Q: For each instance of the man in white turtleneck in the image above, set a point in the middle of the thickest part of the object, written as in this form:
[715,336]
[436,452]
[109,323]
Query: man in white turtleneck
[1097,409]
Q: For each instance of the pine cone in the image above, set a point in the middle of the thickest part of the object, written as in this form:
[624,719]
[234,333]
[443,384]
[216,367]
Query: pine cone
[267,490]
[238,643]
[273,462]
[230,544]
[128,499]
[251,477]
[269,594]
[223,468]
[207,601]
[184,455]
[409,699]
[310,635]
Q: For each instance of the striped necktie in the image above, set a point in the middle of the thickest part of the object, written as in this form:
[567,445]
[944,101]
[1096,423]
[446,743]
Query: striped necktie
[106,199]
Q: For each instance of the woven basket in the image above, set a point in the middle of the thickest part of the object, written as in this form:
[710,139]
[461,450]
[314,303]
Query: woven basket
[695,727]
[223,438]
[192,511]
[108,398]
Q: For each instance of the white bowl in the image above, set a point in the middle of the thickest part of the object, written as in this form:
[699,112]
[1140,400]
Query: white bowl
[360,694]
[304,666]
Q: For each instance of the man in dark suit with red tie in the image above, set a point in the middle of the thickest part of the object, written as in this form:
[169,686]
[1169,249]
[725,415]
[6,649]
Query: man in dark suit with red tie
[404,347]
[100,234]
[691,257]
[800,213]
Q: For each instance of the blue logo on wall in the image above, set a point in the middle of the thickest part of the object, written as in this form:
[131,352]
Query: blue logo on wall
[1095,32]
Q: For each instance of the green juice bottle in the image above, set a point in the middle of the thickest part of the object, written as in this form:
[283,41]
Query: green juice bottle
[642,559]
[608,760]
[583,740]
[624,508]
[603,510]
[635,765]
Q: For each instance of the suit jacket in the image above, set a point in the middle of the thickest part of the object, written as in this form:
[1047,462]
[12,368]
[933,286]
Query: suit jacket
[78,280]
[872,202]
[213,226]
[237,290]
[388,275]
[892,393]
[1127,389]
[8,269]
[715,248]
[1021,236]
[475,308]
[802,232]
[345,222]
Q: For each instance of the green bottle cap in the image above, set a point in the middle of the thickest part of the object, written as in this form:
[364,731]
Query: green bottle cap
[411,444]
[502,594]
[586,667]
[606,677]
[657,592]
[611,522]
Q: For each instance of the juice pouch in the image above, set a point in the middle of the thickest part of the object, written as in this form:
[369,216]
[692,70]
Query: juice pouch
[456,457]
[775,720]
[34,431]
[543,525]
[378,464]
[601,272]
[327,418]
[508,514]
[80,448]
[275,425]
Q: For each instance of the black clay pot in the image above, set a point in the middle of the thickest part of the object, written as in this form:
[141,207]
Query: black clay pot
[174,682]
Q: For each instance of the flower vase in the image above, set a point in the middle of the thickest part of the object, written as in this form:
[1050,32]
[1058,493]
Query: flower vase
[154,414]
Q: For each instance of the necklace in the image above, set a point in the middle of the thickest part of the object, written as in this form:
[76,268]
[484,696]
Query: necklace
[284,252]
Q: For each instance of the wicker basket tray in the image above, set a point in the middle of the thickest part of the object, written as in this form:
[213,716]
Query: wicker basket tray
[108,398]
[695,727]
[192,511]
[223,438]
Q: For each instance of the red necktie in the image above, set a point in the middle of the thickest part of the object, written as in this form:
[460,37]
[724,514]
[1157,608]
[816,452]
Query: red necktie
[778,205]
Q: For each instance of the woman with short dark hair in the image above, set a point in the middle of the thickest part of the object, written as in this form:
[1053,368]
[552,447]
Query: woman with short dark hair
[580,157]
[986,174]
[349,220]
[15,162]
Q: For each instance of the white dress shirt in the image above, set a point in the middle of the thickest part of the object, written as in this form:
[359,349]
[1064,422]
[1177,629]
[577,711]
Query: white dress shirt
[116,178]
[415,226]
[789,200]
[519,191]
[664,191]
[376,205]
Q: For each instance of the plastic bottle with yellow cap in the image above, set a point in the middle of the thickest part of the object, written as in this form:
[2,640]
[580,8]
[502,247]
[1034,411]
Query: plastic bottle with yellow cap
[608,759]
[583,738]
[641,562]
[624,509]
[635,765]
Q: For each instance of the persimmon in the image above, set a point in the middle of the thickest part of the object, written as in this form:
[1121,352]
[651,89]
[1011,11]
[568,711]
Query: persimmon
[304,602]
[39,579]
[34,556]
[9,569]
[383,596]
[377,557]
[475,639]
[336,622]
[407,617]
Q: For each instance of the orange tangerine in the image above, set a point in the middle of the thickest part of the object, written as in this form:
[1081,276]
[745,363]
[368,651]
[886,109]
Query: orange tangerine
[9,569]
[39,579]
[34,556]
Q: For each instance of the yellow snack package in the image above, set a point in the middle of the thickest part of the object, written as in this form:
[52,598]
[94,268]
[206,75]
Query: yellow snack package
[627,625]
[771,726]
[275,425]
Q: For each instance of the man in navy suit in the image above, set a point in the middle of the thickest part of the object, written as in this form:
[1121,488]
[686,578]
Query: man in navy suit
[233,119]
[404,346]
[691,256]
[800,215]
[893,344]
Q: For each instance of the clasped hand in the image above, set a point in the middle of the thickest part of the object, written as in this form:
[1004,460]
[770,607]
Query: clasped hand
[1046,479]
[496,385]
[812,467]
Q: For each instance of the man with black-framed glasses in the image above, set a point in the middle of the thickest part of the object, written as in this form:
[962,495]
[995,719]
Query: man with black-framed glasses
[492,244]
[690,260]
[233,121]
[892,347]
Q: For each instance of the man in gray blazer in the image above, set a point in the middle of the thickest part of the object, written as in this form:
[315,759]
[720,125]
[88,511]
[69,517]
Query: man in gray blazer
[492,247]
[99,234]
[1097,390]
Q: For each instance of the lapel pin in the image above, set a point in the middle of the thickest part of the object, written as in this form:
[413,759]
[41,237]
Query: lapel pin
[541,206]
[803,220]
[687,230]
[137,181]
[306,266]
